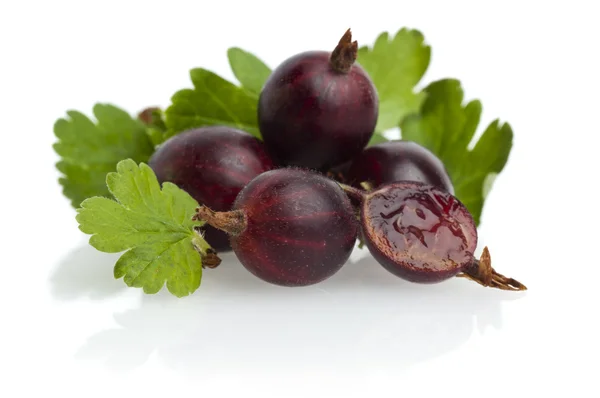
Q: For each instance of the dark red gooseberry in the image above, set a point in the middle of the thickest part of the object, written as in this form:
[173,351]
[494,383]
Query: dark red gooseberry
[398,161]
[212,164]
[318,109]
[289,227]
[424,234]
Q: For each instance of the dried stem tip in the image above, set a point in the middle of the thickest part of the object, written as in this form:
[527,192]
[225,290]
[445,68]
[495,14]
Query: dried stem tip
[233,222]
[147,115]
[210,259]
[482,272]
[343,56]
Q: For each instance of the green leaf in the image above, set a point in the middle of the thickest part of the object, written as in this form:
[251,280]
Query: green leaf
[88,151]
[377,139]
[212,101]
[250,71]
[155,227]
[396,65]
[446,126]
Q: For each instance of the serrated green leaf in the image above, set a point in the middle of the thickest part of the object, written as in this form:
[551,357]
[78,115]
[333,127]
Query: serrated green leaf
[149,266]
[155,227]
[446,126]
[212,101]
[88,151]
[156,136]
[250,71]
[396,65]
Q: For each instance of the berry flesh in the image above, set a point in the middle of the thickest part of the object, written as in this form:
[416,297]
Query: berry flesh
[398,161]
[289,227]
[424,234]
[418,232]
[212,164]
[318,109]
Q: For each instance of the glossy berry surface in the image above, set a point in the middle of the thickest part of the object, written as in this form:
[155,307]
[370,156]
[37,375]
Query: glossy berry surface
[418,231]
[300,228]
[398,161]
[314,112]
[212,164]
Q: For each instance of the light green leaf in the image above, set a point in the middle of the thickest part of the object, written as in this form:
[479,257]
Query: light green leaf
[212,101]
[88,151]
[250,71]
[377,139]
[155,227]
[396,65]
[446,126]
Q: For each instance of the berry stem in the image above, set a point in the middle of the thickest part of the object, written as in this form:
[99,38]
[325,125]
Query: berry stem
[207,254]
[343,56]
[233,222]
[355,194]
[481,271]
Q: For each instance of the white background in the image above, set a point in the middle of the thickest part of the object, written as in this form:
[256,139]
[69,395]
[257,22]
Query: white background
[68,327]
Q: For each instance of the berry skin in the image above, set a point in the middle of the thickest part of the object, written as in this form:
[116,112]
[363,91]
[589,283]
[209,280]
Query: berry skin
[318,109]
[289,227]
[398,161]
[212,164]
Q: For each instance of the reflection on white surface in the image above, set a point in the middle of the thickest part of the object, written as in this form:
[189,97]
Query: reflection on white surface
[235,321]
[85,272]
